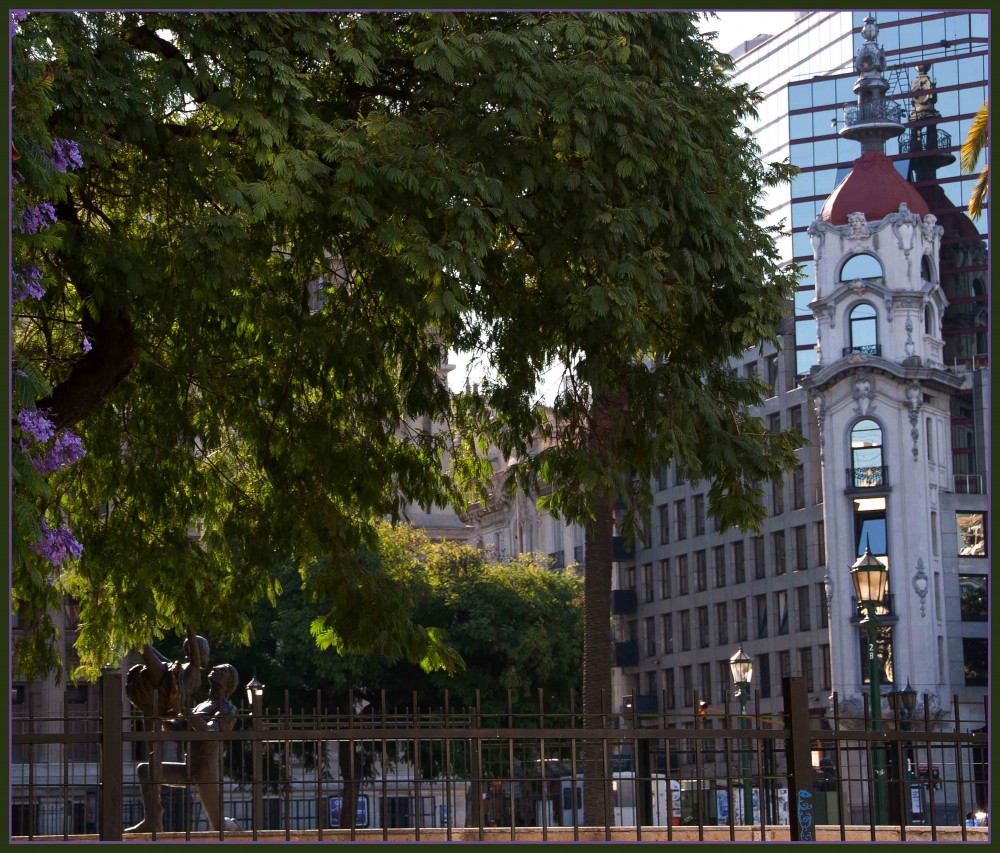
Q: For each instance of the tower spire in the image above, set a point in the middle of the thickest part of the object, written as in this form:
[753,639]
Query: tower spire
[873,119]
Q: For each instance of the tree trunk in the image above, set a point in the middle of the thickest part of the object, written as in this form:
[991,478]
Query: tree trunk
[596,656]
[351,771]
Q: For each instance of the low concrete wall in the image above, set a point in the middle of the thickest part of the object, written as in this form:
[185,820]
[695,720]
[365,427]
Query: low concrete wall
[716,834]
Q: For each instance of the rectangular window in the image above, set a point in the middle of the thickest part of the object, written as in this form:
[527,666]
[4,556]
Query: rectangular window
[647,530]
[719,558]
[820,532]
[822,607]
[806,668]
[700,571]
[781,611]
[777,497]
[971,534]
[721,623]
[801,549]
[760,612]
[667,626]
[685,630]
[687,685]
[739,563]
[784,665]
[664,524]
[678,475]
[750,370]
[703,633]
[669,689]
[759,567]
[798,488]
[698,504]
[680,516]
[705,670]
[771,365]
[975,655]
[762,675]
[665,578]
[740,609]
[973,597]
[630,577]
[802,606]
[649,629]
[648,590]
[682,574]
[663,480]
[826,671]
[795,419]
[780,559]
[774,422]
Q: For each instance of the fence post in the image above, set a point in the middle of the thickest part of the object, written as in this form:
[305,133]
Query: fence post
[800,773]
[111,756]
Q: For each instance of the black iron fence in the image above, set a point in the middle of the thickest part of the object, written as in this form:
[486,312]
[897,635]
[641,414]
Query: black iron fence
[469,773]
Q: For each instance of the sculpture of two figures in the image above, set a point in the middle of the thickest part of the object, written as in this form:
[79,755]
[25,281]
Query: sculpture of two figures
[160,689]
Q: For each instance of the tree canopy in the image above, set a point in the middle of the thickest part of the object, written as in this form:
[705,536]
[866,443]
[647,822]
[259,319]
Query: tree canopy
[517,626]
[281,219]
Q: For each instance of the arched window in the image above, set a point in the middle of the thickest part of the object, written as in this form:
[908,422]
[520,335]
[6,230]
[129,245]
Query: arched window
[861,266]
[926,268]
[866,455]
[864,329]
[928,320]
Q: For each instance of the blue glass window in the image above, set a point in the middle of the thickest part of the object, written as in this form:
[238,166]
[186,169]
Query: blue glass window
[861,266]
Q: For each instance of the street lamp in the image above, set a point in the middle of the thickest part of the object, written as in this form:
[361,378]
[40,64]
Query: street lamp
[255,696]
[741,665]
[870,577]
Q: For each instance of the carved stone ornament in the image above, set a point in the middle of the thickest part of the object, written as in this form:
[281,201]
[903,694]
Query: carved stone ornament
[858,227]
[889,303]
[920,585]
[820,406]
[914,400]
[828,588]
[904,230]
[909,346]
[863,391]
[930,228]
[816,237]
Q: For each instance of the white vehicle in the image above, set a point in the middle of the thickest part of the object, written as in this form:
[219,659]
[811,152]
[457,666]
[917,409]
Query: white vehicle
[623,805]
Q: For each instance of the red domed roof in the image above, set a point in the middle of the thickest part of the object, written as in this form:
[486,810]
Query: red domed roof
[874,188]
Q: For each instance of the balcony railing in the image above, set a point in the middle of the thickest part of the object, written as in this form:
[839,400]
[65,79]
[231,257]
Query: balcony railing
[873,112]
[624,602]
[928,138]
[968,484]
[872,477]
[868,349]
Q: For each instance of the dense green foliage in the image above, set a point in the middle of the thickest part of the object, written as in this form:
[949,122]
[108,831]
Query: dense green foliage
[538,187]
[516,626]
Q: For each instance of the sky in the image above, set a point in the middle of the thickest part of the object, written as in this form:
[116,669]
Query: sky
[732,28]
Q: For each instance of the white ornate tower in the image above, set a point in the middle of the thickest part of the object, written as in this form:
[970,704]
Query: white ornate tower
[881,394]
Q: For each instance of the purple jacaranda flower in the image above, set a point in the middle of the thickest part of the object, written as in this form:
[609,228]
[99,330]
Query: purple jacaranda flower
[26,283]
[36,424]
[35,218]
[66,450]
[87,346]
[65,155]
[15,19]
[57,545]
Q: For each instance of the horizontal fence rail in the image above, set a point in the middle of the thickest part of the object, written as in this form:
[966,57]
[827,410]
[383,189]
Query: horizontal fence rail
[709,773]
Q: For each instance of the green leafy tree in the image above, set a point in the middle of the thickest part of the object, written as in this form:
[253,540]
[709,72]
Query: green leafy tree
[517,627]
[972,149]
[538,187]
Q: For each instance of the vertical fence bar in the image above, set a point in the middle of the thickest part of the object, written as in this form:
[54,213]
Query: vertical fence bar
[417,801]
[111,758]
[606,780]
[930,763]
[666,769]
[383,805]
[727,722]
[959,775]
[477,768]
[759,751]
[802,825]
[510,765]
[698,764]
[287,760]
[543,776]
[870,765]
[839,791]
[318,749]
[449,775]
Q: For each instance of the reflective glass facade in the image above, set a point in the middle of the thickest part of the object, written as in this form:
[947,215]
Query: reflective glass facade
[806,73]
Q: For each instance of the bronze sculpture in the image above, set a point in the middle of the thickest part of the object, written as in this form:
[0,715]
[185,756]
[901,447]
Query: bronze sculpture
[160,689]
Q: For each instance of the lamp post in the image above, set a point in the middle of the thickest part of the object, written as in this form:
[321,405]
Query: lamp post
[255,696]
[903,702]
[870,577]
[741,665]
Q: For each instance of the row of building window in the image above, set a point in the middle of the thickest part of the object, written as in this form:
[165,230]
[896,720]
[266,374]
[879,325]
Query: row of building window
[732,625]
[675,687]
[673,577]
